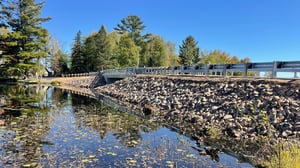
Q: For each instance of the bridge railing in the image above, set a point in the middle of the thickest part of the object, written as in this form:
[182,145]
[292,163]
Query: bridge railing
[80,74]
[210,69]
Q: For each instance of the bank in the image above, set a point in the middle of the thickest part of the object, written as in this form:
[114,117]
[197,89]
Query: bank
[251,111]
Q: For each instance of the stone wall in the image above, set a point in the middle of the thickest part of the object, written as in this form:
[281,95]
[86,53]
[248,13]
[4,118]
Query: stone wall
[240,108]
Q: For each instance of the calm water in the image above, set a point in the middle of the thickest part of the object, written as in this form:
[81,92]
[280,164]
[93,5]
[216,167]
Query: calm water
[49,127]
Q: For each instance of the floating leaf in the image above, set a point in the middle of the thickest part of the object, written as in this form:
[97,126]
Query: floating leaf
[26,165]
[85,160]
[134,142]
[77,138]
[190,155]
[92,156]
[179,150]
[132,161]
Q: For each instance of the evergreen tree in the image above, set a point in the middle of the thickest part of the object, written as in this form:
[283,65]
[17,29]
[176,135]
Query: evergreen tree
[156,52]
[189,53]
[102,57]
[24,45]
[133,26]
[89,52]
[77,57]
[98,51]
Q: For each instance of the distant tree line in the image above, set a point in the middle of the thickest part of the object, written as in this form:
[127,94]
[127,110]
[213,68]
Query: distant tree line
[27,48]
[127,46]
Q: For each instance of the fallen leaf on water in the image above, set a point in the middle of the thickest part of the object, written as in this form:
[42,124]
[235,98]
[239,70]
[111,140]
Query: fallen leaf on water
[26,165]
[92,156]
[85,160]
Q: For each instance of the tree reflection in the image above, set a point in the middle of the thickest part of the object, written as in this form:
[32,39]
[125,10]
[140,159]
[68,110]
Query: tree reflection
[96,116]
[24,124]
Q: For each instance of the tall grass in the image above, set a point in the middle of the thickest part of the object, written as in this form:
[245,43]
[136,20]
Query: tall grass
[286,155]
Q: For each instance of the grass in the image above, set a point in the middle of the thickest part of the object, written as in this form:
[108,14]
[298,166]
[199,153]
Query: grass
[214,132]
[286,155]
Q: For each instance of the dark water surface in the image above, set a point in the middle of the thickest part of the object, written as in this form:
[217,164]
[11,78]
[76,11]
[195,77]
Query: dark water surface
[49,127]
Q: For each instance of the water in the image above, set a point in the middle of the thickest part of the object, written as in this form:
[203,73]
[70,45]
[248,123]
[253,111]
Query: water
[54,128]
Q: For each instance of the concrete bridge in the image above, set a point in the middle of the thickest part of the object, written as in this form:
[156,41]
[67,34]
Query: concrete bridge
[226,70]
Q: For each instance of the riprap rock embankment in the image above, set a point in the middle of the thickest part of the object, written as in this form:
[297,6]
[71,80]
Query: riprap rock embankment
[240,108]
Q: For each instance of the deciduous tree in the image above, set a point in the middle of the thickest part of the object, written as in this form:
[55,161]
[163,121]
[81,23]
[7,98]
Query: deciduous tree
[128,52]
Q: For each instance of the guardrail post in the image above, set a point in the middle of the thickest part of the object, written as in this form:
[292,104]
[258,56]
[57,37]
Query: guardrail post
[274,70]
[245,72]
[224,70]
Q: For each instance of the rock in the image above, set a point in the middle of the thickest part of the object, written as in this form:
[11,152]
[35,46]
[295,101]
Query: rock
[228,116]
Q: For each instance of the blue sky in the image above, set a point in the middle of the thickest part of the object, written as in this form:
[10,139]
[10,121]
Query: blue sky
[263,30]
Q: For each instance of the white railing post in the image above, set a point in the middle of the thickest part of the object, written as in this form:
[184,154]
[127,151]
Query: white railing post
[274,70]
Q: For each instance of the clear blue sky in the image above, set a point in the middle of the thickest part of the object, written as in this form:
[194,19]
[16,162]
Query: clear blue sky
[263,30]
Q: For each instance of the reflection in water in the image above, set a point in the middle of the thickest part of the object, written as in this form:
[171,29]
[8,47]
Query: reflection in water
[54,128]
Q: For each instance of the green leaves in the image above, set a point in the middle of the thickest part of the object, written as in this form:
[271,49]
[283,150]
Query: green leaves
[189,52]
[26,41]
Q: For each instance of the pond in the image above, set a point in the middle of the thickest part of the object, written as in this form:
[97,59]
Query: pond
[48,127]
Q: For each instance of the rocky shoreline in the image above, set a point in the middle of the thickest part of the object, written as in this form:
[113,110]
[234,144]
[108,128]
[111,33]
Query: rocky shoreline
[241,108]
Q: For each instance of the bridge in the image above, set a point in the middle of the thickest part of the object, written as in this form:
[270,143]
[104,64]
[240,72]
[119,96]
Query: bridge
[243,70]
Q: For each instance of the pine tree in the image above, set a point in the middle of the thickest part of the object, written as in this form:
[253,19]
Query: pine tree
[133,26]
[24,45]
[102,56]
[189,52]
[77,57]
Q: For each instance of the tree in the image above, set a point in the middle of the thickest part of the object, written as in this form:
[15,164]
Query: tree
[89,52]
[133,26]
[24,45]
[77,59]
[57,60]
[156,52]
[113,40]
[102,56]
[100,50]
[189,53]
[59,63]
[217,57]
[172,58]
[128,52]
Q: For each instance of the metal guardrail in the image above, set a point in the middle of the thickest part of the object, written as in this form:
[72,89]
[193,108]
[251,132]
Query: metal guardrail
[210,70]
[80,74]
[207,70]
